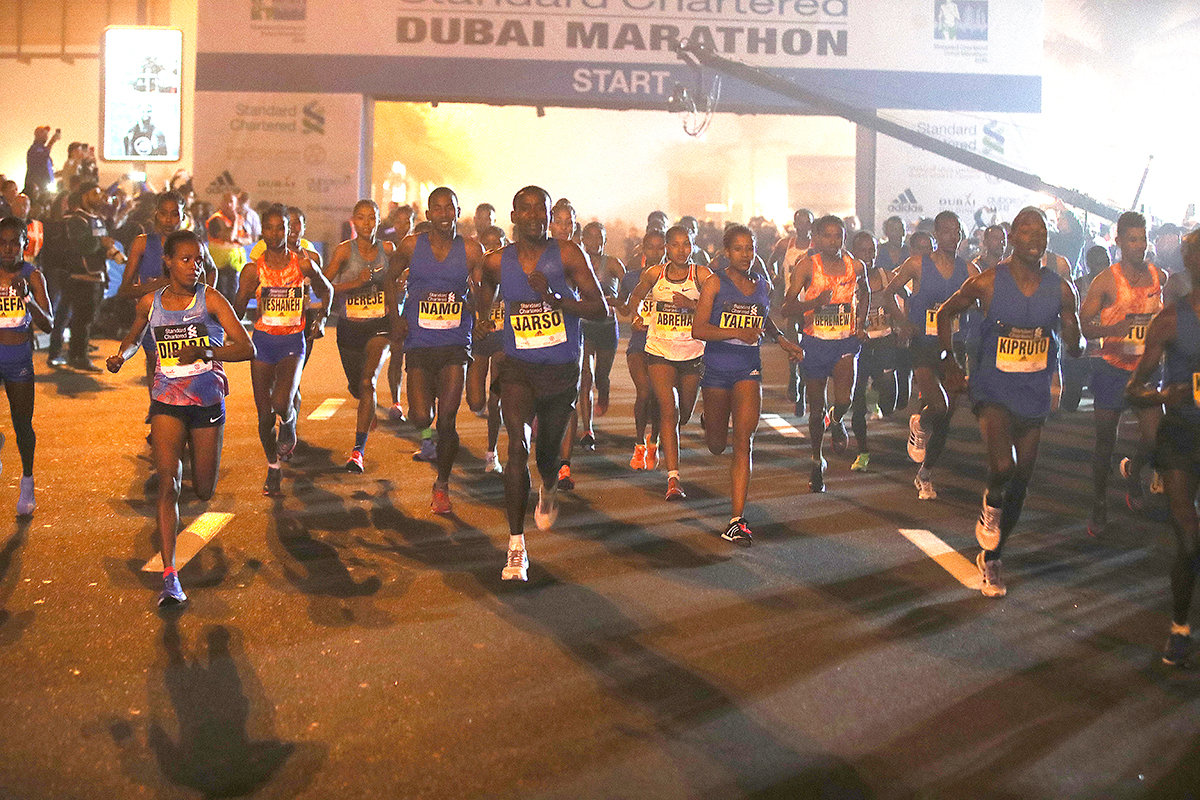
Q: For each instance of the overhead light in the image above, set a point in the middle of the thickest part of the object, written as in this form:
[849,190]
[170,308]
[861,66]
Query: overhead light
[716,208]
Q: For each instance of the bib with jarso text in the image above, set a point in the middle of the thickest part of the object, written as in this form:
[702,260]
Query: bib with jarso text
[931,322]
[537,325]
[1022,349]
[736,316]
[439,311]
[1135,343]
[12,309]
[366,306]
[281,306]
[170,339]
[672,321]
[833,321]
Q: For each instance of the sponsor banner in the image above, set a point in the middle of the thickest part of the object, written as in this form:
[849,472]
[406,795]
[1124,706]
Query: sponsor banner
[912,183]
[295,148]
[556,46]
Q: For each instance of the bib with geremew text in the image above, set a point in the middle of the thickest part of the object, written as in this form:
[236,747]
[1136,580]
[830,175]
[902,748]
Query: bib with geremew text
[833,321]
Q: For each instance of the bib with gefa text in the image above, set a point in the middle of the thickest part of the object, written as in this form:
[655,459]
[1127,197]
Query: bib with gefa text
[366,306]
[833,321]
[737,316]
[537,325]
[170,339]
[1022,349]
[281,306]
[672,322]
[439,311]
[12,308]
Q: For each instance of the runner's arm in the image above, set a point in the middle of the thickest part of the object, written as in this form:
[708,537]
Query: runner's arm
[1140,391]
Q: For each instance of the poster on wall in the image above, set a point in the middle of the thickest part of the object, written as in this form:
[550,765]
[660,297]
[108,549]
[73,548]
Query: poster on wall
[913,184]
[299,149]
[141,80]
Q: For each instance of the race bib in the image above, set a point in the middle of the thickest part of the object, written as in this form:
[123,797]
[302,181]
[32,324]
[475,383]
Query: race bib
[736,316]
[833,321]
[281,306]
[366,306]
[931,322]
[439,311]
[1022,349]
[12,309]
[1135,343]
[498,314]
[170,339]
[878,325]
[672,322]
[537,325]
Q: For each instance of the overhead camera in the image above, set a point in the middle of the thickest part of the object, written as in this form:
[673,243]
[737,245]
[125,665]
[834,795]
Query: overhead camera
[680,101]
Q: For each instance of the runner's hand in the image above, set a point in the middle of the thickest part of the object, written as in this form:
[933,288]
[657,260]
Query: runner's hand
[538,282]
[114,363]
[190,354]
[749,335]
[952,377]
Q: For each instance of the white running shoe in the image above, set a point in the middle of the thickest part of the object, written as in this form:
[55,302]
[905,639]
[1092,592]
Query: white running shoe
[517,566]
[992,579]
[987,529]
[924,488]
[26,504]
[917,438]
[546,510]
[491,463]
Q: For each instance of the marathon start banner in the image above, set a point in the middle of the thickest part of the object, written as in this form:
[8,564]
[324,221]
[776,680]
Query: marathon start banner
[950,55]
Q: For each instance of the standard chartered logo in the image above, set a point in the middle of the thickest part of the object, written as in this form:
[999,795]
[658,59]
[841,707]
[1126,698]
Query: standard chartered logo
[314,118]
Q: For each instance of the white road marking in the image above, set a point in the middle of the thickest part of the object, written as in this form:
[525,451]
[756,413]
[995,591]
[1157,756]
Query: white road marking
[782,426]
[192,540]
[327,408]
[962,569]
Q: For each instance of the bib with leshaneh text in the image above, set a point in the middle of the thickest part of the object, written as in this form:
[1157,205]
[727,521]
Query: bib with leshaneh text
[439,311]
[537,325]
[736,316]
[366,306]
[170,339]
[281,306]
[1022,349]
[12,309]
[672,322]
[833,321]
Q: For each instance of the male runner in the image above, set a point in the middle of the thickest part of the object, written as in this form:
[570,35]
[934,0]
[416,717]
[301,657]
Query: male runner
[599,338]
[1118,307]
[787,253]
[877,360]
[547,287]
[437,321]
[1024,305]
[834,309]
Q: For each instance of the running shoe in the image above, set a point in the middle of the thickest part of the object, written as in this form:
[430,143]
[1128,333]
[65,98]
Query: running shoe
[674,492]
[286,443]
[546,511]
[428,451]
[991,579]
[816,482]
[837,434]
[1133,487]
[1177,649]
[799,409]
[271,487]
[875,411]
[25,503]
[84,365]
[396,413]
[987,527]
[588,441]
[862,463]
[1098,519]
[917,438]
[172,593]
[516,568]
[738,532]
[57,361]
[639,457]
[565,481]
[355,462]
[441,498]
[924,488]
[491,463]
[651,454]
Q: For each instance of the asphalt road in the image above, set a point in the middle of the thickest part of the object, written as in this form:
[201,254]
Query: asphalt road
[344,642]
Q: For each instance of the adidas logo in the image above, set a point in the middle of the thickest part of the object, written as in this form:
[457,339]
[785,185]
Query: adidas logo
[906,203]
[222,183]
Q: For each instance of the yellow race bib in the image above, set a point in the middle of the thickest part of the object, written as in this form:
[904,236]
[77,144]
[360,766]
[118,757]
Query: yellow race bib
[281,306]
[439,311]
[737,316]
[366,306]
[12,309]
[833,321]
[537,325]
[1135,343]
[1022,349]
[878,325]
[672,322]
[931,322]
[170,339]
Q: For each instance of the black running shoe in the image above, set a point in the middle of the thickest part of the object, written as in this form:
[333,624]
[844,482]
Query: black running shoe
[816,482]
[271,487]
[1179,647]
[738,532]
[587,442]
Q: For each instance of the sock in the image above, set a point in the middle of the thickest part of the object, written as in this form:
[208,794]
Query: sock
[516,542]
[427,433]
[1184,629]
[924,474]
[673,473]
[490,454]
[360,441]
[734,520]
[987,498]
[169,571]
[272,465]
[566,463]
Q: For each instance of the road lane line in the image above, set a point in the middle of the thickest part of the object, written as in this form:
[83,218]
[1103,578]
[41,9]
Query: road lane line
[192,539]
[963,570]
[327,408]
[782,426]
